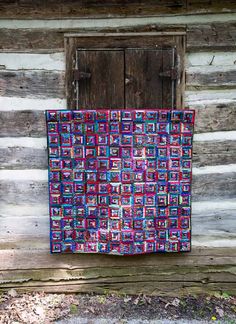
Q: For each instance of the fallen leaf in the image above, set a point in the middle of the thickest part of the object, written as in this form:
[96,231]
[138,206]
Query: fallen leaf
[219,311]
[136,301]
[12,293]
[127,299]
[175,302]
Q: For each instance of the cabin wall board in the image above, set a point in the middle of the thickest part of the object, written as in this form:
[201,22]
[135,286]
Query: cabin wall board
[32,69]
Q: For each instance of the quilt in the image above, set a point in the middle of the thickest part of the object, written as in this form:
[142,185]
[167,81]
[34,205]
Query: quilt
[120,180]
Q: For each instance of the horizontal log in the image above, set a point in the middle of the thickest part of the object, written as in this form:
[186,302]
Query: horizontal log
[215,36]
[23,158]
[24,40]
[109,275]
[199,256]
[67,9]
[209,118]
[210,78]
[143,288]
[19,156]
[33,84]
[205,226]
[205,187]
[213,153]
[23,123]
[202,36]
[149,281]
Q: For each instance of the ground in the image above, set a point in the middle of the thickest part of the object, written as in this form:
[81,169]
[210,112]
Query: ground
[89,308]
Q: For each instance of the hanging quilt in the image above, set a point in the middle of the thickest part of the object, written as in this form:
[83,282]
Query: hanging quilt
[120,180]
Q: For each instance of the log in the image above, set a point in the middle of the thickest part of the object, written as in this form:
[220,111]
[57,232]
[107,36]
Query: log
[19,156]
[174,281]
[117,8]
[210,78]
[68,9]
[199,256]
[218,36]
[205,187]
[209,118]
[32,84]
[215,36]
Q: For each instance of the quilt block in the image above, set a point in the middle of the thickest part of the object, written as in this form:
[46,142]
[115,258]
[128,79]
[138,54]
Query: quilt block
[120,180]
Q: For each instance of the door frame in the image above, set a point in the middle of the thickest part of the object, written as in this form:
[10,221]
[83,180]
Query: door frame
[113,41]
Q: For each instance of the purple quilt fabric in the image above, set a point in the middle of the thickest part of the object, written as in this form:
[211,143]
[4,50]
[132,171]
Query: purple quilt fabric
[120,180]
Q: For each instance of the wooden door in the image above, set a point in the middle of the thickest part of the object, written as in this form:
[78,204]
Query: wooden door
[126,78]
[100,81]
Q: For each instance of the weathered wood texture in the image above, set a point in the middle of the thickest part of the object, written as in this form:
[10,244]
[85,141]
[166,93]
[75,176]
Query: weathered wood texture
[25,40]
[204,153]
[140,54]
[214,153]
[205,78]
[205,187]
[217,117]
[174,275]
[68,9]
[215,36]
[51,84]
[32,84]
[18,157]
[105,86]
[16,259]
[211,36]
[23,123]
[144,86]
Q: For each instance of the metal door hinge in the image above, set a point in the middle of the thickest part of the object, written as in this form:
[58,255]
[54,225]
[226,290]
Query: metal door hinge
[173,73]
[79,75]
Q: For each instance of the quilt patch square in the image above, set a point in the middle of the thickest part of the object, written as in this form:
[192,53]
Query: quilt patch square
[120,180]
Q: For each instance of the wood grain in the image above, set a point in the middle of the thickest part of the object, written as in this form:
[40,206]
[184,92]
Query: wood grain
[214,117]
[23,158]
[136,88]
[201,37]
[26,40]
[155,281]
[22,123]
[207,270]
[204,78]
[67,9]
[105,87]
[33,84]
[216,36]
[143,83]
[117,8]
[199,256]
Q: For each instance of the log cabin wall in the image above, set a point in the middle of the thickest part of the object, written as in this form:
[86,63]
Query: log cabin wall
[32,79]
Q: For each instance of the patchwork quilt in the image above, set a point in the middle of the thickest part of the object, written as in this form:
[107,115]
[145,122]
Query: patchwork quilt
[120,180]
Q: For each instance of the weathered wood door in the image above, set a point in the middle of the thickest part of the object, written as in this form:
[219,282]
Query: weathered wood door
[126,78]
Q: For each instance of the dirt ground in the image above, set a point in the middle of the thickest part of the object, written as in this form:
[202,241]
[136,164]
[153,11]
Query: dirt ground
[48,308]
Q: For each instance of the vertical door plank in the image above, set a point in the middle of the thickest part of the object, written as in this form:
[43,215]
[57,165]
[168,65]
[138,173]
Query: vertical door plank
[105,87]
[169,89]
[143,87]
